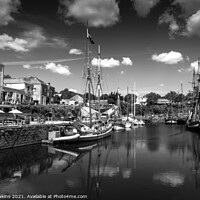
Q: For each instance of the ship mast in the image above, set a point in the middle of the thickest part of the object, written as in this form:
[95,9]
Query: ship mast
[89,85]
[99,85]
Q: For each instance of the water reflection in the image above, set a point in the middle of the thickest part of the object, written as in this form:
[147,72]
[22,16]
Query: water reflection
[139,162]
[172,179]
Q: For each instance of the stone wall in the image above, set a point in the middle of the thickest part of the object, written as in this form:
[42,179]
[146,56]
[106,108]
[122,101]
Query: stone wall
[20,136]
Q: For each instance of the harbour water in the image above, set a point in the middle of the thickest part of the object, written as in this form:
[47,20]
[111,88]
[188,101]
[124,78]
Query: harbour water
[152,162]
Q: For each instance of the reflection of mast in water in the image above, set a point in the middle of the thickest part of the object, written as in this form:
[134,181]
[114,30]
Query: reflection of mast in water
[127,171]
[95,171]
[196,154]
[134,150]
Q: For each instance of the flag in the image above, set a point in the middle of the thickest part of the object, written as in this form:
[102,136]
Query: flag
[89,37]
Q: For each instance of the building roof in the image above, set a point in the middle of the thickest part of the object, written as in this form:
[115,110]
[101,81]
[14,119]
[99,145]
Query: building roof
[14,80]
[77,98]
[160,101]
[33,80]
[7,89]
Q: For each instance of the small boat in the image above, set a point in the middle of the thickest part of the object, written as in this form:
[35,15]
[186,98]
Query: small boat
[138,122]
[181,120]
[95,132]
[61,134]
[170,121]
[118,126]
[128,124]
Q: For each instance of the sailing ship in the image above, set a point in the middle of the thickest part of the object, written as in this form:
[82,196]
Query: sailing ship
[118,124]
[182,118]
[126,120]
[193,122]
[132,117]
[170,118]
[97,128]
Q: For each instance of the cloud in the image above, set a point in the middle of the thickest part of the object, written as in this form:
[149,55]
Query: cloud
[193,24]
[127,61]
[32,38]
[181,70]
[9,43]
[75,51]
[107,63]
[189,7]
[27,66]
[96,12]
[36,37]
[143,7]
[57,42]
[60,69]
[53,67]
[173,25]
[183,18]
[7,7]
[161,85]
[194,66]
[122,72]
[168,58]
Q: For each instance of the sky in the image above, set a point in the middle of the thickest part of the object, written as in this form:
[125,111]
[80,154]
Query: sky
[152,43]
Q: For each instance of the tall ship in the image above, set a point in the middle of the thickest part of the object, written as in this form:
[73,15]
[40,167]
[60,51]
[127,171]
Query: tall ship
[96,127]
[193,122]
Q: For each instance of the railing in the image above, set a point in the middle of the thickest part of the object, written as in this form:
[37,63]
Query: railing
[16,122]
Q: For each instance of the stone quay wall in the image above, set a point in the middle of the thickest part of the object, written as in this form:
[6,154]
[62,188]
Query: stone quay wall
[25,135]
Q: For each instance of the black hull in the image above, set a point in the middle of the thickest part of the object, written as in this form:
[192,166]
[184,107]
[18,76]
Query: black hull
[193,126]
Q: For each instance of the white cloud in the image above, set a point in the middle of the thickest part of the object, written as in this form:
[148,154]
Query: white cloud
[107,63]
[6,8]
[181,70]
[53,67]
[33,38]
[161,85]
[194,66]
[122,72]
[127,61]
[75,51]
[193,24]
[168,58]
[186,21]
[27,66]
[143,7]
[9,43]
[96,12]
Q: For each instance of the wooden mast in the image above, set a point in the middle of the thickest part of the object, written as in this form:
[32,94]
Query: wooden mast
[99,86]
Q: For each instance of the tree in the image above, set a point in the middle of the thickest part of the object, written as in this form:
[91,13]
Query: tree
[128,98]
[112,98]
[104,96]
[171,96]
[7,76]
[66,94]
[152,98]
